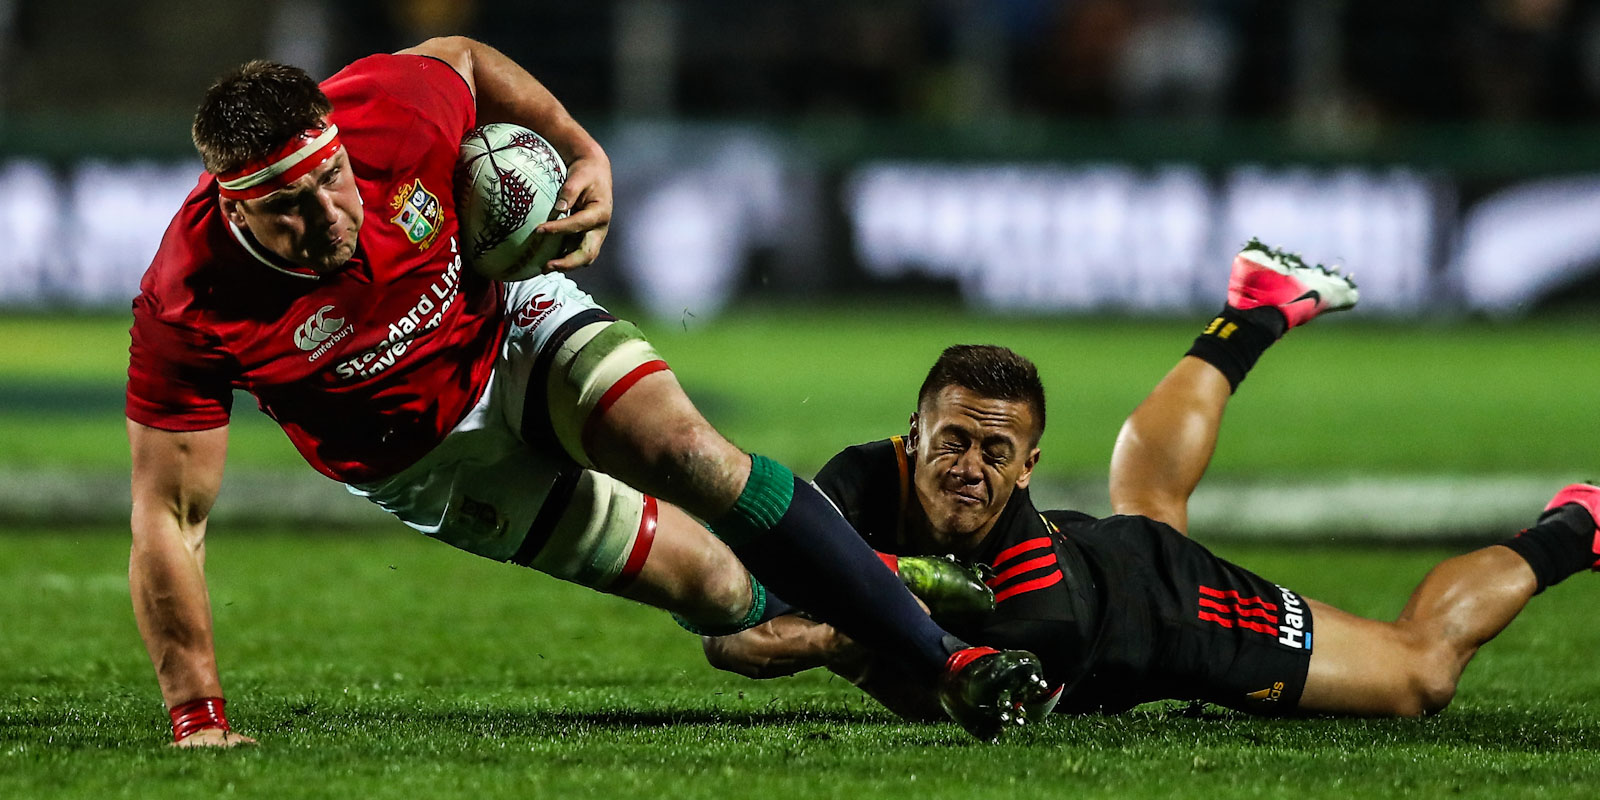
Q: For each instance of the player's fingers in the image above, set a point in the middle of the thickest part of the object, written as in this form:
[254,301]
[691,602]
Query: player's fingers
[586,219]
[581,256]
[587,183]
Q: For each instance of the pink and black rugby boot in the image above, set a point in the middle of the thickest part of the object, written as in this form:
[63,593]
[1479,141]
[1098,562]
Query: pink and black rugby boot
[1266,277]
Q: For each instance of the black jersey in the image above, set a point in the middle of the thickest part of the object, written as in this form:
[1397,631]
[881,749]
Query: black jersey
[1047,598]
[1120,610]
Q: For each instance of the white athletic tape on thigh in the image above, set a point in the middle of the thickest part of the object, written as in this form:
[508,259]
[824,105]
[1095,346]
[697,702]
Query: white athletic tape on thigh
[603,537]
[581,384]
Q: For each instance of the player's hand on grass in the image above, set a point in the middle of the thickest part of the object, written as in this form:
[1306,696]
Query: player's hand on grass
[586,200]
[214,737]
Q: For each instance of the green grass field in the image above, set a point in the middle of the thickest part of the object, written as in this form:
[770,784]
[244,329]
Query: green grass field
[385,665]
[391,666]
[1342,397]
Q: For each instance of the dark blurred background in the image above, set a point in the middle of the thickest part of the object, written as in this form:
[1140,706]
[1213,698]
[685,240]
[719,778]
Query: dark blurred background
[1053,155]
[1339,65]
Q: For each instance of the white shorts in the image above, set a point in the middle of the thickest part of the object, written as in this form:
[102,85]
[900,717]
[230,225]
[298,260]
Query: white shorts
[484,487]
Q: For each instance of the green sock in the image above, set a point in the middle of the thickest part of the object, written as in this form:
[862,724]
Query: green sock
[765,499]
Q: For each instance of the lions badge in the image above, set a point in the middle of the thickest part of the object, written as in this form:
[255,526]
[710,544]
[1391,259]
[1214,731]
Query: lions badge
[418,213]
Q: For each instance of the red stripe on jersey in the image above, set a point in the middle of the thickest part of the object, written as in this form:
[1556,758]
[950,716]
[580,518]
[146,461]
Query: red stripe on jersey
[1248,625]
[1235,596]
[1269,630]
[641,545]
[1028,586]
[1018,549]
[1238,611]
[1046,560]
[616,391]
[1257,612]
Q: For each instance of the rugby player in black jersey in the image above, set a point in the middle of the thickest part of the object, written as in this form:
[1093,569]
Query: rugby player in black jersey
[1126,609]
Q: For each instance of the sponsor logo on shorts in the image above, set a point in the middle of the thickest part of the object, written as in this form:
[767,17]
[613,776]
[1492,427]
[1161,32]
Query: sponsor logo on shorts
[1271,694]
[535,310]
[1292,632]
[1286,622]
[320,332]
[418,213]
[474,519]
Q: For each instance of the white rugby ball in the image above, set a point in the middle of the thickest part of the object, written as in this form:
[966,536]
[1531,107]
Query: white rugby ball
[506,182]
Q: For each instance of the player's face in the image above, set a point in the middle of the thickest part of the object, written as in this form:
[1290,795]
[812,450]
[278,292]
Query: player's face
[312,222]
[969,453]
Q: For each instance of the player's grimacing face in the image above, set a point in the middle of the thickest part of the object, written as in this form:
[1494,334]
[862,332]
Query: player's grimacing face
[312,222]
[969,453]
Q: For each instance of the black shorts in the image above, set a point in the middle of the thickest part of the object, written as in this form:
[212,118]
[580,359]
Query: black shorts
[1180,623]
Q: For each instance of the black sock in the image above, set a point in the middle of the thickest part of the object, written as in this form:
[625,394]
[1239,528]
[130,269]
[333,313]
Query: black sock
[1560,544]
[1235,339]
[813,558]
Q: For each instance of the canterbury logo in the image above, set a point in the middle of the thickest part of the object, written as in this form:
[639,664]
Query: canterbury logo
[317,329]
[535,310]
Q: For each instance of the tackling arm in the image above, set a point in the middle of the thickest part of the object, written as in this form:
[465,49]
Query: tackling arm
[505,92]
[791,643]
[176,477]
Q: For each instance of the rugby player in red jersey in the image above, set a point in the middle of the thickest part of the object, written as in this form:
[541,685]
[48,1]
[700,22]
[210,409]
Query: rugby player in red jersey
[318,265]
[1127,609]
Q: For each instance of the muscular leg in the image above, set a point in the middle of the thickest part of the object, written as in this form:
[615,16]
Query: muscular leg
[691,573]
[653,438]
[1411,666]
[1166,443]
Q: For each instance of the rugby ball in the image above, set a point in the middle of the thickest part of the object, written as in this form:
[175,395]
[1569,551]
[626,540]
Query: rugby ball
[506,182]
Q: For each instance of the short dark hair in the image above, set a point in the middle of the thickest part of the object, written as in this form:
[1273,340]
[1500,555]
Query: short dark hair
[989,370]
[253,110]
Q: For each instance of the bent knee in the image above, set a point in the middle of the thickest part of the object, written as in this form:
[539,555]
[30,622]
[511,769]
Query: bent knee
[1430,686]
[1434,693]
[719,596]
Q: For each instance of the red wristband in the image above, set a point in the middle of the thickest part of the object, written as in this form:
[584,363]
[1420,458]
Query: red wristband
[198,715]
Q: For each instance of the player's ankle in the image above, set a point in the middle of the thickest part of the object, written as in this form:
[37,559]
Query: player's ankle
[1234,340]
[1558,546]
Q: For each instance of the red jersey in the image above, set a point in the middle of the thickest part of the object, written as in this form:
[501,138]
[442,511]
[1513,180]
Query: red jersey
[367,368]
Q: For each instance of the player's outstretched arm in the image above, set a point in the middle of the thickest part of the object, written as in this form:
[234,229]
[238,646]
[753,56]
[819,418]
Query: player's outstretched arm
[779,647]
[176,477]
[508,93]
[789,644]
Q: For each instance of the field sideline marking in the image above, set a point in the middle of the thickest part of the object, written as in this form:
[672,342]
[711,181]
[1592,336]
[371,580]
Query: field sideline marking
[1438,507]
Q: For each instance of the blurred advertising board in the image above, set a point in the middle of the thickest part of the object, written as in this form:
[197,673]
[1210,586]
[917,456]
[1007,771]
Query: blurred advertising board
[1036,237]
